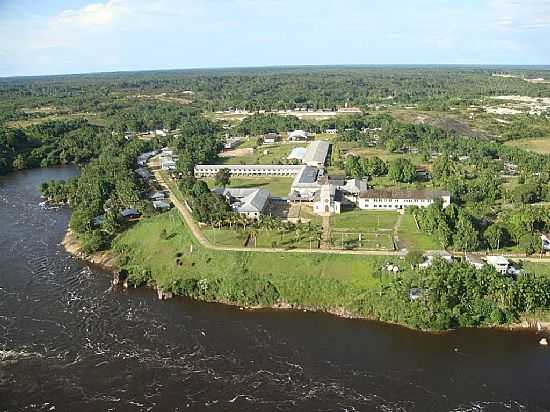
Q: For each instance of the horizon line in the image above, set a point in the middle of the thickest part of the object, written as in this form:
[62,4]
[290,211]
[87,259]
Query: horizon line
[292,66]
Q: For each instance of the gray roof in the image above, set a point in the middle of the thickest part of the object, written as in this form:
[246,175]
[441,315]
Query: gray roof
[297,134]
[355,186]
[316,152]
[246,200]
[161,204]
[307,175]
[297,153]
[402,194]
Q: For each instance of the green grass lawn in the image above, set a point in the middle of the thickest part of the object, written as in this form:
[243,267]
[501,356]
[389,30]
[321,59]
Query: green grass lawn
[264,155]
[147,249]
[358,220]
[412,239]
[278,186]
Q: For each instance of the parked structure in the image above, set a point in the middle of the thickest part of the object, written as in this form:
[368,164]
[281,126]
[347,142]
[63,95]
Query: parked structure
[248,170]
[248,202]
[232,142]
[400,199]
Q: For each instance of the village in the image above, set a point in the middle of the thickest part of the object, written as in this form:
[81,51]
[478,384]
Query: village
[342,214]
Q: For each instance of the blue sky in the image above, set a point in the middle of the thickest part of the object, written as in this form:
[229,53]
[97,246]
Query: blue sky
[61,36]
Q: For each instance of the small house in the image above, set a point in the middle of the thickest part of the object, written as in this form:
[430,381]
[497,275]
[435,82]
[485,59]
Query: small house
[500,263]
[161,205]
[271,138]
[430,255]
[474,261]
[130,213]
[298,135]
[158,195]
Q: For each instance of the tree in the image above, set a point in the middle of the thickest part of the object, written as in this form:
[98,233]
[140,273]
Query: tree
[466,236]
[223,177]
[402,170]
[494,235]
[530,243]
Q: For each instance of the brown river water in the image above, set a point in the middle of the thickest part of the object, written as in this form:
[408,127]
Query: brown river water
[70,342]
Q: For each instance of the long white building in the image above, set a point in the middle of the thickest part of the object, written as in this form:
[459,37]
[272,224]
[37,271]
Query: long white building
[400,199]
[316,153]
[248,170]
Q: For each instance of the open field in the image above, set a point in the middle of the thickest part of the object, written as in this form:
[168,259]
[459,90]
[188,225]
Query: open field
[277,186]
[147,248]
[92,118]
[364,221]
[412,239]
[535,145]
[265,154]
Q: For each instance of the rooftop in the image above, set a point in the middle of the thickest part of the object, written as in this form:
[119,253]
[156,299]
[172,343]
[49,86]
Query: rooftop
[316,152]
[246,200]
[297,153]
[497,260]
[402,194]
[307,175]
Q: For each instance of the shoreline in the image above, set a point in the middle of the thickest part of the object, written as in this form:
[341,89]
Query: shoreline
[107,260]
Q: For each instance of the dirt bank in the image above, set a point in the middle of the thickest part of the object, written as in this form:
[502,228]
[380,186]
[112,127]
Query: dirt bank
[105,259]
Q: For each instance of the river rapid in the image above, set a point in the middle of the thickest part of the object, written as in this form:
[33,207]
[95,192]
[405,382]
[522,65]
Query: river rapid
[71,342]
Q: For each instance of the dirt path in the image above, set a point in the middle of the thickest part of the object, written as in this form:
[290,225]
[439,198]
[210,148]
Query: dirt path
[325,236]
[199,236]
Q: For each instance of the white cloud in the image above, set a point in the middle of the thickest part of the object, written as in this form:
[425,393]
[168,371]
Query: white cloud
[521,15]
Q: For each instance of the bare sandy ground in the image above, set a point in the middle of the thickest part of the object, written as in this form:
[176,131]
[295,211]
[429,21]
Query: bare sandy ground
[238,152]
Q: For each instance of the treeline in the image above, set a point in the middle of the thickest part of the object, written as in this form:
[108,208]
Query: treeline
[280,88]
[106,186]
[456,295]
[50,144]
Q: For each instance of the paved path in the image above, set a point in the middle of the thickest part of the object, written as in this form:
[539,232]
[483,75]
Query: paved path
[199,236]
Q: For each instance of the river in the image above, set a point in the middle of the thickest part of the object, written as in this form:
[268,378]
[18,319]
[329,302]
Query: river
[70,342]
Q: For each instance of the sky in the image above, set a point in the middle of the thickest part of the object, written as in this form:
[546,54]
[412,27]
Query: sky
[39,37]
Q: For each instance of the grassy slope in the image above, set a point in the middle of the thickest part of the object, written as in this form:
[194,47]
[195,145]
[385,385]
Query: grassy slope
[278,186]
[312,280]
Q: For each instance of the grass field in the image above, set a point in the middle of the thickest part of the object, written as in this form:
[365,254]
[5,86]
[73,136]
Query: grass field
[278,186]
[149,250]
[412,239]
[264,155]
[363,221]
[534,145]
[264,239]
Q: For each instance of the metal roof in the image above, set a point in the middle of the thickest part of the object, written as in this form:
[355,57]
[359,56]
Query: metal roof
[246,200]
[316,152]
[297,153]
[402,194]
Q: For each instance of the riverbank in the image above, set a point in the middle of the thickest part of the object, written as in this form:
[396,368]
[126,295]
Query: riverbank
[107,259]
[161,253]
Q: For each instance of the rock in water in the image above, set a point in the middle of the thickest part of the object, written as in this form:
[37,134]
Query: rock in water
[162,295]
[543,342]
[119,277]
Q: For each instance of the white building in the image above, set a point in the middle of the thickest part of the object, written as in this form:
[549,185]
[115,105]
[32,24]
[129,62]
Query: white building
[305,185]
[232,142]
[475,261]
[271,138]
[430,255]
[500,263]
[545,239]
[248,170]
[297,153]
[298,135]
[248,202]
[316,153]
[168,164]
[327,200]
[331,131]
[400,199]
